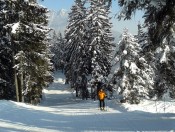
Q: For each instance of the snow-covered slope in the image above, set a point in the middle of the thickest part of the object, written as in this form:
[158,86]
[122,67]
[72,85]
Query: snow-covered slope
[61,111]
[58,20]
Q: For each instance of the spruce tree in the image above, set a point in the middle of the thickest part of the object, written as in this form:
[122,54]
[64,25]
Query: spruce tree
[88,45]
[7,18]
[159,19]
[75,47]
[147,63]
[101,40]
[57,48]
[32,59]
[131,75]
[164,80]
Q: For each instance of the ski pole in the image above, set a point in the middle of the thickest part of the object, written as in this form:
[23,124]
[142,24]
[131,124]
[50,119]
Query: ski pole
[106,104]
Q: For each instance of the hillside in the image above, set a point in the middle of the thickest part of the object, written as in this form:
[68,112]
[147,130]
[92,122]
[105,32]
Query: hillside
[58,21]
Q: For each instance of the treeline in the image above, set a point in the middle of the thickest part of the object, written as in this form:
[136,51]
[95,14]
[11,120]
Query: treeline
[142,65]
[88,45]
[25,66]
[147,69]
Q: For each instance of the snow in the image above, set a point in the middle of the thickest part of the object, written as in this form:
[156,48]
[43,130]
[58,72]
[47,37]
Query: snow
[125,52]
[63,12]
[133,68]
[60,111]
[15,27]
[126,64]
[163,59]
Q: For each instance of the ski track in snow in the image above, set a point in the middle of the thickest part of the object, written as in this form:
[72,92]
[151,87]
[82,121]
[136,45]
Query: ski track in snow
[60,111]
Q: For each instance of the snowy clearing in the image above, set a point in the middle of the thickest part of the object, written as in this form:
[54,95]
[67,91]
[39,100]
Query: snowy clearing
[61,111]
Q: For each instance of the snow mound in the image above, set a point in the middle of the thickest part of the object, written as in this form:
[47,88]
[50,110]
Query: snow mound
[152,106]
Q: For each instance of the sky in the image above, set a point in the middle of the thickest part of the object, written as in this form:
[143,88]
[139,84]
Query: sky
[57,4]
[118,25]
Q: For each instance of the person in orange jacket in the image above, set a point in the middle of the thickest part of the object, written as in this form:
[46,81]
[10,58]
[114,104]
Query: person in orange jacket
[101,97]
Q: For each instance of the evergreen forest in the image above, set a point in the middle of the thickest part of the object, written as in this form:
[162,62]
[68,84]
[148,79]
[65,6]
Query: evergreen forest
[137,67]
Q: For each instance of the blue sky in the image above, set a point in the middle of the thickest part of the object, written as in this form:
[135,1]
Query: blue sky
[118,25]
[62,4]
[57,4]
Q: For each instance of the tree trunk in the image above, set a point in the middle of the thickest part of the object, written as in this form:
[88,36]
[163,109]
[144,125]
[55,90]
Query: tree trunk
[16,81]
[22,85]
[22,82]
[76,91]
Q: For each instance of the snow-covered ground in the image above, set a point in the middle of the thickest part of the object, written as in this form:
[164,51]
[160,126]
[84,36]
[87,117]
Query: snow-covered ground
[61,111]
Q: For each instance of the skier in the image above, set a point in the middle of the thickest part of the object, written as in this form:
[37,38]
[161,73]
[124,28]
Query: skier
[101,97]
[98,85]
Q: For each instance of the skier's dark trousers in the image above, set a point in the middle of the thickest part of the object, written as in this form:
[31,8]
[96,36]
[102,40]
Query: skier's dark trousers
[101,97]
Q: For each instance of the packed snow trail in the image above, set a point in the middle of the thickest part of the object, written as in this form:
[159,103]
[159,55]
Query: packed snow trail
[61,111]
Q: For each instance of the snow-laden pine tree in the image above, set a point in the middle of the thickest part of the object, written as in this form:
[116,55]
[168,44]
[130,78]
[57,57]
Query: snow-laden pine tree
[88,44]
[32,59]
[57,48]
[159,19]
[75,48]
[147,63]
[131,75]
[101,39]
[165,60]
[7,90]
[142,37]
